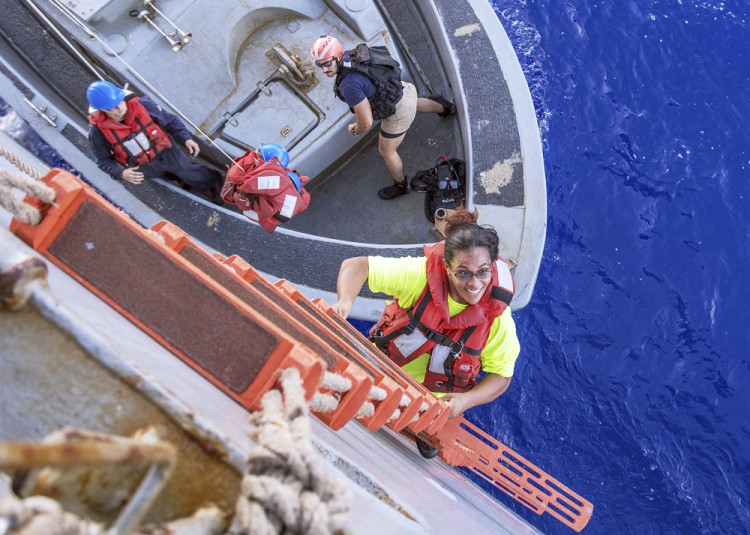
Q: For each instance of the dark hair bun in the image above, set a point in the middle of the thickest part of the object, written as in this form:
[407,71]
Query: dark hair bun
[459,218]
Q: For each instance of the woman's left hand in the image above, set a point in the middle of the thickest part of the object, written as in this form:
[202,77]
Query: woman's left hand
[486,390]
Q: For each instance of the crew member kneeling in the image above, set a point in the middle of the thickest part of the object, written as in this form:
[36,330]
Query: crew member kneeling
[133,138]
[450,319]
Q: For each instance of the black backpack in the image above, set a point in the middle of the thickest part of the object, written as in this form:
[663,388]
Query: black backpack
[444,185]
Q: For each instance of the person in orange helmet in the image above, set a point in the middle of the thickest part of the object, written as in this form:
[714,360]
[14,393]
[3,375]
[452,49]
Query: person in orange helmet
[368,79]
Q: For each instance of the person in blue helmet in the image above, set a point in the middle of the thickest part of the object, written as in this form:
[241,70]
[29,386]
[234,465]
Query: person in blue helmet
[263,188]
[133,138]
[274,150]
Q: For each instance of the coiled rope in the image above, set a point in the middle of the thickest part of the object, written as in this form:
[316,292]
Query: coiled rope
[286,488]
[27,183]
[38,515]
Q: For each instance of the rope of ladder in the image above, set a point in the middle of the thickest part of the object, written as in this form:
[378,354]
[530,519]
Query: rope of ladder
[325,402]
[19,163]
[286,488]
[28,183]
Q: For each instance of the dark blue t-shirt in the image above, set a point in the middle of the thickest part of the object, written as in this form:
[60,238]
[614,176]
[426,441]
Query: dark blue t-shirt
[355,87]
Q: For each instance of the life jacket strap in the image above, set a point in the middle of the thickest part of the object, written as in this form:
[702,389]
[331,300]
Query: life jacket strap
[501,294]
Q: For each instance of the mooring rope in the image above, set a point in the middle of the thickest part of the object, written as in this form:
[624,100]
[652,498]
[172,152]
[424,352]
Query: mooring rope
[19,163]
[286,488]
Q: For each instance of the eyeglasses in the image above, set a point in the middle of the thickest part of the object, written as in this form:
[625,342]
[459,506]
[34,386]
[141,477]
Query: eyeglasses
[325,64]
[466,276]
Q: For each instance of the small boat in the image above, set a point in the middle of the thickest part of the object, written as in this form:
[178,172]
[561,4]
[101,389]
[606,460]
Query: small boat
[239,74]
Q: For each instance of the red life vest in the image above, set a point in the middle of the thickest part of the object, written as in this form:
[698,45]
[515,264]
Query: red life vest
[137,139]
[264,191]
[454,343]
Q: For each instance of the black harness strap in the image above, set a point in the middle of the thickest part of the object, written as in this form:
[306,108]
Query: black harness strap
[501,294]
[414,323]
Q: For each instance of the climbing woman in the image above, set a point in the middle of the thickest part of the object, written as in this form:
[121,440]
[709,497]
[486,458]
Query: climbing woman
[450,319]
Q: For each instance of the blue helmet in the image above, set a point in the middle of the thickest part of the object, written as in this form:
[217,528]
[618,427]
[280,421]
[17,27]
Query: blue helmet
[296,179]
[104,95]
[270,150]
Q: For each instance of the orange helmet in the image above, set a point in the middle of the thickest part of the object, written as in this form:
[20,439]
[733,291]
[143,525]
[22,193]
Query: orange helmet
[325,48]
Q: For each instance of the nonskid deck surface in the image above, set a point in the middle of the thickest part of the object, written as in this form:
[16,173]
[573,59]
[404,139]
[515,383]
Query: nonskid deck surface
[345,205]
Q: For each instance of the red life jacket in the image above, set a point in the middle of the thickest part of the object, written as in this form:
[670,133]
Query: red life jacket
[137,140]
[454,343]
[264,191]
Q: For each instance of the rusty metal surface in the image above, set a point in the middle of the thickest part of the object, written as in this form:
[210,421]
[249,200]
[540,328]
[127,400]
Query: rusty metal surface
[50,382]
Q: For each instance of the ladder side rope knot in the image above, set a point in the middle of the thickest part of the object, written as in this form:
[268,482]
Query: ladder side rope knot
[405,401]
[21,210]
[325,402]
[286,487]
[368,408]
[423,408]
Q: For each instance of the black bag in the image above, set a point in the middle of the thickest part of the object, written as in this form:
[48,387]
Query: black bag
[444,185]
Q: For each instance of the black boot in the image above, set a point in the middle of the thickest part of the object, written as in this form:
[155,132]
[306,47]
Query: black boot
[215,191]
[398,188]
[448,107]
[214,196]
[426,450]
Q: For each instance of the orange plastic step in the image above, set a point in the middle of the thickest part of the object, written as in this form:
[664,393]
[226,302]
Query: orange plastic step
[190,314]
[383,409]
[433,412]
[304,330]
[463,444]
[416,405]
[424,411]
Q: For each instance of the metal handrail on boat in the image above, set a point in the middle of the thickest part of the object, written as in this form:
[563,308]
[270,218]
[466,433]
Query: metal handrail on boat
[74,448]
[68,13]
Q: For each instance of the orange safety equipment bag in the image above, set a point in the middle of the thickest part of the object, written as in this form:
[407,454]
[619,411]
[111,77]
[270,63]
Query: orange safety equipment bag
[266,192]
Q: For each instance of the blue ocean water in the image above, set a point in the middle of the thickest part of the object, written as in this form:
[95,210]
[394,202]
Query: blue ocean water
[631,388]
[632,385]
